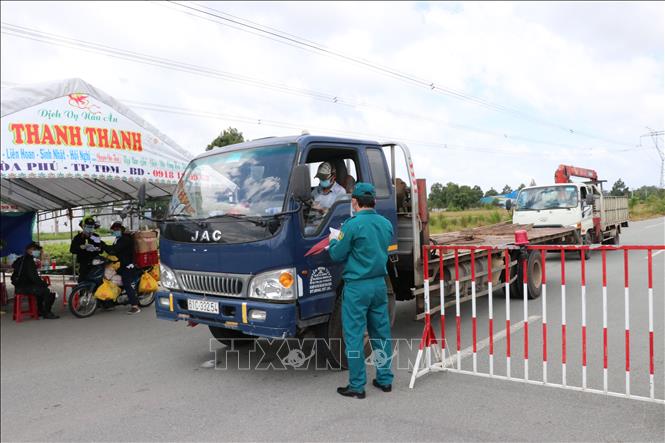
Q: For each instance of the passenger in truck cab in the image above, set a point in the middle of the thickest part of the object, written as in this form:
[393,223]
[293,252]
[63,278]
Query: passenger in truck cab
[565,197]
[328,191]
[324,195]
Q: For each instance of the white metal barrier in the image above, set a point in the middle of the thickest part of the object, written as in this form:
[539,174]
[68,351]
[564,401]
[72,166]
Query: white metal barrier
[432,351]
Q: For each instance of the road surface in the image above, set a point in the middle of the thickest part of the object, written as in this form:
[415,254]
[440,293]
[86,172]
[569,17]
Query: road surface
[115,377]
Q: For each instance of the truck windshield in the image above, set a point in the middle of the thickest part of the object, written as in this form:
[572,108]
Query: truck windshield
[250,182]
[547,197]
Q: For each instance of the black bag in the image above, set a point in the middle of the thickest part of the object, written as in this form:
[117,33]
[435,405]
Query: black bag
[16,275]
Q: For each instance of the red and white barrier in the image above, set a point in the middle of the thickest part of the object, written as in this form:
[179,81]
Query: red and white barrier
[433,357]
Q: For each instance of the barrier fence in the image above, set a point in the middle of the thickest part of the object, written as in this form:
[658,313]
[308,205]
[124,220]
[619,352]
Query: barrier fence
[432,350]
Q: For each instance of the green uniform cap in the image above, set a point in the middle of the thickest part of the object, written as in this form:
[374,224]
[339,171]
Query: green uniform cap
[363,190]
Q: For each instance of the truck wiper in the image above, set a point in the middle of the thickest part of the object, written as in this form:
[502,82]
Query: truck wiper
[255,220]
[281,214]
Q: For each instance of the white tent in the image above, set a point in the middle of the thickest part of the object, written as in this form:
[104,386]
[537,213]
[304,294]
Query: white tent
[67,144]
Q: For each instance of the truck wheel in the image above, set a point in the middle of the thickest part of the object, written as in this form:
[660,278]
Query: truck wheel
[534,283]
[228,336]
[335,334]
[616,240]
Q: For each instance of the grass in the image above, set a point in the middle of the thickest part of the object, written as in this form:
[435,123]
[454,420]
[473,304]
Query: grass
[650,208]
[449,221]
[63,235]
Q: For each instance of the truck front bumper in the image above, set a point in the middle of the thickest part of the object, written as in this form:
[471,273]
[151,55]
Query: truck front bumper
[234,313]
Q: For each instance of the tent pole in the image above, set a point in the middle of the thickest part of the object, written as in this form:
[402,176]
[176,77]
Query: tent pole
[37,226]
[70,212]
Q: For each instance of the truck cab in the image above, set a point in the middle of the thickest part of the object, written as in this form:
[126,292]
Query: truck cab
[565,204]
[241,249]
[596,217]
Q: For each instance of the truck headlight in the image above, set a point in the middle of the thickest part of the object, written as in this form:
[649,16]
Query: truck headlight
[167,277]
[274,285]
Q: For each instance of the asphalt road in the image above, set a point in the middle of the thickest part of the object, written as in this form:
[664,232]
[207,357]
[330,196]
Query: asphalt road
[115,377]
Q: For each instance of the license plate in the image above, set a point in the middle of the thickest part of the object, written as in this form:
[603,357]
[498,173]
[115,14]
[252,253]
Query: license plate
[209,307]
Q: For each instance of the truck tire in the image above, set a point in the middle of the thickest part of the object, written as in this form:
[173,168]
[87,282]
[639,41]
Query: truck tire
[616,240]
[228,336]
[534,266]
[335,334]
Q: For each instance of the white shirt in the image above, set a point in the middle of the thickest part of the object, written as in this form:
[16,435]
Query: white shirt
[327,200]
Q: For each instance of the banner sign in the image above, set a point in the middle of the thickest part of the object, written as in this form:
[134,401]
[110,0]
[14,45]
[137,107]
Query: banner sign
[78,136]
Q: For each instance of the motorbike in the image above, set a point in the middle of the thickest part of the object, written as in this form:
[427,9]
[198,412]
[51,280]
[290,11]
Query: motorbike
[82,301]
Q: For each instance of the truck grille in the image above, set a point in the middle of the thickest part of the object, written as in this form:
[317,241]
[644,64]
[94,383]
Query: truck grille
[209,283]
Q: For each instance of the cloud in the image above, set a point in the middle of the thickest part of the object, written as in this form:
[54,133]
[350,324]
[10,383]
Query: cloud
[596,68]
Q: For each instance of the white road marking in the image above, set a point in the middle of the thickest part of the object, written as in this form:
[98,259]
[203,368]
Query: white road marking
[486,342]
[657,225]
[655,254]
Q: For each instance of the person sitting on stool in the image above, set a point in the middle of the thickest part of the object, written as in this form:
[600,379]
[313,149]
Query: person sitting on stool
[26,280]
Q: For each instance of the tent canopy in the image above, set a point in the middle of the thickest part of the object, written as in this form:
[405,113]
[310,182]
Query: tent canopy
[67,144]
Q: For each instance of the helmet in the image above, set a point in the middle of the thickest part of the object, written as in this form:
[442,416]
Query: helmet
[117,225]
[89,222]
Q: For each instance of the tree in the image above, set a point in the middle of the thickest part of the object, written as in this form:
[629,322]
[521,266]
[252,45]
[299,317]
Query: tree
[477,193]
[230,136]
[435,199]
[619,188]
[454,196]
[521,186]
[491,193]
[506,190]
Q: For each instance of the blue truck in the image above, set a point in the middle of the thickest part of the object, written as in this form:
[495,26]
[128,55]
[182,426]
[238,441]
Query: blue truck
[242,250]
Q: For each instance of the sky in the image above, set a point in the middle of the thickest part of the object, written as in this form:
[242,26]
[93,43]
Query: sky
[483,94]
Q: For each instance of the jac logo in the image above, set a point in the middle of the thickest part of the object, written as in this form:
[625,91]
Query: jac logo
[203,236]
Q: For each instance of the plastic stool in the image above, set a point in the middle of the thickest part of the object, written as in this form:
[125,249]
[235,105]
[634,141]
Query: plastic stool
[19,313]
[65,286]
[47,280]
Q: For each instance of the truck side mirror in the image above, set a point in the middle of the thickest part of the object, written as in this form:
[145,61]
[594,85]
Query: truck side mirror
[140,195]
[589,199]
[301,185]
[509,205]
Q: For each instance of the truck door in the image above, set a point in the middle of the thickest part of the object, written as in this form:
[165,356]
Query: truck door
[587,210]
[322,276]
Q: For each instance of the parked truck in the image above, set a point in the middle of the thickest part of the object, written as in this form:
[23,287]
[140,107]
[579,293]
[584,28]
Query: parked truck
[598,217]
[241,247]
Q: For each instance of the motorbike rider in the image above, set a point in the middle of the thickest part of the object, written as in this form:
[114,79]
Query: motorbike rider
[86,245]
[123,248]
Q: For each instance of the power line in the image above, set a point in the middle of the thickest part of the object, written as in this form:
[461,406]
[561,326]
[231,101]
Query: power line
[141,58]
[302,43]
[300,127]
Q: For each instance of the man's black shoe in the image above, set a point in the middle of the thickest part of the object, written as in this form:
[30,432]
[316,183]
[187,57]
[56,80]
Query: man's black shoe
[346,392]
[50,316]
[386,388]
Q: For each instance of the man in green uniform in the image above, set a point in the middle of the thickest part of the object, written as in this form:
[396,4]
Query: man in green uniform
[363,246]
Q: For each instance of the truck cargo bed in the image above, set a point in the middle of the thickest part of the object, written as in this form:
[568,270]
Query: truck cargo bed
[503,234]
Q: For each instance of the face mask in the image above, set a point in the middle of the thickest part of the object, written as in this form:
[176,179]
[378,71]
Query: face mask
[117,234]
[325,184]
[36,253]
[89,229]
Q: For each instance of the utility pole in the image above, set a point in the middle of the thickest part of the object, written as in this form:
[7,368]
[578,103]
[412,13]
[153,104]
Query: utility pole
[655,138]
